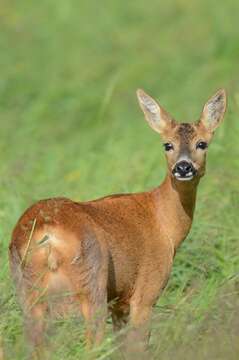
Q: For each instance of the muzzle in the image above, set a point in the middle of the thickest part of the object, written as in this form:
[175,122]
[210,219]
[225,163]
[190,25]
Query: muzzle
[184,171]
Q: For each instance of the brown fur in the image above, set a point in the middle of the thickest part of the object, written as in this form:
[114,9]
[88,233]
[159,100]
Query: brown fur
[118,248]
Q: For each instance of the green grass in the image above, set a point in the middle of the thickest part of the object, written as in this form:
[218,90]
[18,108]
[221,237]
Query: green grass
[71,126]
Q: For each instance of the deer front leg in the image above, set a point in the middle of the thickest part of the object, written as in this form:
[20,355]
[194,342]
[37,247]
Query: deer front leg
[139,332]
[150,283]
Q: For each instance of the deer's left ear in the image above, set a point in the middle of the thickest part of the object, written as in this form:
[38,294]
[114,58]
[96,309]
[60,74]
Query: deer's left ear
[214,110]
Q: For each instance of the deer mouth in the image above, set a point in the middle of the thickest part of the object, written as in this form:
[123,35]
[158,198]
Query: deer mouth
[189,176]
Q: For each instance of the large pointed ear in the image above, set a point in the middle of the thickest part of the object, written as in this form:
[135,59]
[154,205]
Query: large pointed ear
[155,115]
[213,111]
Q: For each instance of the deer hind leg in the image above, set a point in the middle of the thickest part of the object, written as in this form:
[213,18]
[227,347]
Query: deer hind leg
[95,319]
[91,267]
[120,316]
[30,298]
[35,328]
[35,311]
[120,319]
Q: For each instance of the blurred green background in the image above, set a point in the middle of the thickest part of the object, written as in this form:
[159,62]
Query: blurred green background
[71,126]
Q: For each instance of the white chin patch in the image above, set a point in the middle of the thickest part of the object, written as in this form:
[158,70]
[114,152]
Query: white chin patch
[188,177]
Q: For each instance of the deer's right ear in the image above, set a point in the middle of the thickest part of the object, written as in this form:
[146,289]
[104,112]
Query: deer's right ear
[155,115]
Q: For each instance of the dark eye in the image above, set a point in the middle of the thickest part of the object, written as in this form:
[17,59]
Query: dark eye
[201,145]
[168,146]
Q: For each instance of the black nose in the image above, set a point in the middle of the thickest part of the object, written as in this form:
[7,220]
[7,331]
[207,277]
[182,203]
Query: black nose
[183,168]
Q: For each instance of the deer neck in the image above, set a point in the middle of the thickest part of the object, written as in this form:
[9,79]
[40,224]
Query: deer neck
[175,204]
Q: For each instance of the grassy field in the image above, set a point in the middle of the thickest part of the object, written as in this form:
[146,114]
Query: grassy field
[71,126]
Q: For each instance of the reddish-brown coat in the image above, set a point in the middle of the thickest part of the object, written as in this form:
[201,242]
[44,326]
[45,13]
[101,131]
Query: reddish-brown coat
[117,250]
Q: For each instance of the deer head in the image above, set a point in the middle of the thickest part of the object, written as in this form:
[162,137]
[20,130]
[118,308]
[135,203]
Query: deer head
[185,144]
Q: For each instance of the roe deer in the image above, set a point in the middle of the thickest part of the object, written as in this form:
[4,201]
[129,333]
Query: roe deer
[119,247]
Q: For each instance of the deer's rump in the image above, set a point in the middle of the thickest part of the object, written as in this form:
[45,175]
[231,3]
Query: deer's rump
[61,252]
